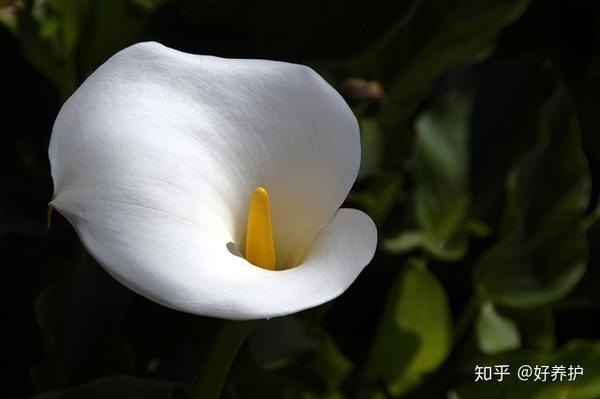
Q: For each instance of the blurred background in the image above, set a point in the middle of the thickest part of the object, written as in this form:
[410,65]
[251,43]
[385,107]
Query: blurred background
[480,125]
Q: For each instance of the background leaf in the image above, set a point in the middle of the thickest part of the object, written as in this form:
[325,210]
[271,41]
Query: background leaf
[542,254]
[415,333]
[480,157]
[121,387]
[496,333]
[441,194]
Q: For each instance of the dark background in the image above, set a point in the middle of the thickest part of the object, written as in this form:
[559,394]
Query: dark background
[480,123]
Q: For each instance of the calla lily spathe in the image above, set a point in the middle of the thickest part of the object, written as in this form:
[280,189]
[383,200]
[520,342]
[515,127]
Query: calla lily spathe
[155,157]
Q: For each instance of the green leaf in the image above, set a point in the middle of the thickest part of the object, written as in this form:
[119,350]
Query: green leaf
[585,88]
[67,39]
[37,33]
[586,293]
[431,37]
[69,17]
[285,343]
[495,333]
[440,148]
[330,363]
[114,24]
[411,55]
[442,35]
[542,252]
[121,387]
[441,195]
[415,333]
[576,353]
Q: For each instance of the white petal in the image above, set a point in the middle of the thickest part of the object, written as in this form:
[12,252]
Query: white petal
[178,264]
[154,159]
[188,134]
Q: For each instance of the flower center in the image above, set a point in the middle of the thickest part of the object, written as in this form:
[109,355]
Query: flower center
[260,250]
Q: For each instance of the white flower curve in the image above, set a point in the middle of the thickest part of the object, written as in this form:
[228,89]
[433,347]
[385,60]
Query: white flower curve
[154,159]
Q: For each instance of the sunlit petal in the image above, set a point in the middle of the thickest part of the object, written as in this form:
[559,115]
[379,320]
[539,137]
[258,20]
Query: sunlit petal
[155,157]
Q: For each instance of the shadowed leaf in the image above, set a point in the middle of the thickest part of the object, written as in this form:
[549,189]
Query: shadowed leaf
[121,387]
[542,252]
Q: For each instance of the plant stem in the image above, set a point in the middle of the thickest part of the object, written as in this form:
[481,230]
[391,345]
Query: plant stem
[222,353]
[465,320]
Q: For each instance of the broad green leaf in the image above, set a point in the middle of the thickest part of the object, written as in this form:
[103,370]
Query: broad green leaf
[411,55]
[330,363]
[115,24]
[441,194]
[430,38]
[441,35]
[441,142]
[37,32]
[495,333]
[67,39]
[285,343]
[585,88]
[542,252]
[508,100]
[121,387]
[415,333]
[587,386]
[587,293]
[68,17]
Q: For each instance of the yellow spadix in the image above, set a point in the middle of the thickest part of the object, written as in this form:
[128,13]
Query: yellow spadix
[260,250]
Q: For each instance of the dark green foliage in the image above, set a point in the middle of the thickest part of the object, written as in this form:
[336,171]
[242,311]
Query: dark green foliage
[480,124]
[543,252]
[122,387]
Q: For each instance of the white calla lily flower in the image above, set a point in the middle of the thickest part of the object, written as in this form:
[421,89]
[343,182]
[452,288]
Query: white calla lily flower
[159,155]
